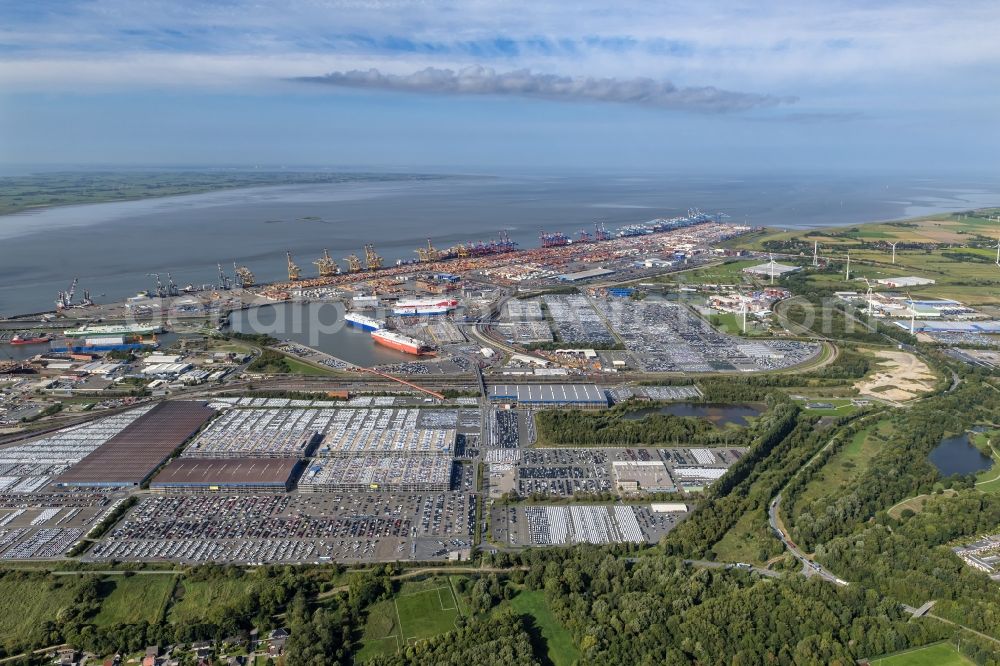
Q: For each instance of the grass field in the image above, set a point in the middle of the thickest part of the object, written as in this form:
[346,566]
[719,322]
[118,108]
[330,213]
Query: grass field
[841,407]
[200,597]
[914,504]
[299,368]
[559,644]
[727,273]
[420,610]
[964,274]
[135,599]
[30,602]
[988,481]
[746,541]
[938,654]
[851,460]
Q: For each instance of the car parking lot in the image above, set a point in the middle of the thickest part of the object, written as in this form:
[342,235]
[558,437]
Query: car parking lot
[566,525]
[668,337]
[576,322]
[291,528]
[503,429]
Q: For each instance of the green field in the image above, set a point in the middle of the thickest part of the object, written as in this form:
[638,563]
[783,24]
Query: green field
[966,274]
[841,407]
[559,644]
[198,598]
[988,481]
[299,368]
[420,610]
[727,273]
[31,601]
[850,461]
[938,654]
[135,599]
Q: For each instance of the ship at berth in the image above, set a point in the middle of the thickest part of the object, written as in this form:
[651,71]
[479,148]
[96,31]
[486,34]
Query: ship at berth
[122,329]
[363,322]
[424,306]
[400,342]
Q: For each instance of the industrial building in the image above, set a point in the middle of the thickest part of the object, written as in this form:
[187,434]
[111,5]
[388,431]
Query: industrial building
[131,456]
[908,281]
[585,275]
[642,475]
[386,473]
[226,475]
[767,269]
[581,396]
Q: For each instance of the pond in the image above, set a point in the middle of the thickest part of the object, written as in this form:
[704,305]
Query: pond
[719,414]
[957,455]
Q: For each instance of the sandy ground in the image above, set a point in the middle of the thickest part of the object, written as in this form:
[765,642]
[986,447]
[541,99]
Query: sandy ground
[900,376]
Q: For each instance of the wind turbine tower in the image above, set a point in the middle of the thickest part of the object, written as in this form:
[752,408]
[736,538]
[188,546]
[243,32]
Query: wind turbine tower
[771,256]
[815,253]
[998,252]
[847,276]
[868,296]
[894,252]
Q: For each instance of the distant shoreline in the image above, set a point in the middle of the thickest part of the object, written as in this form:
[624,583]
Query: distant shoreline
[21,195]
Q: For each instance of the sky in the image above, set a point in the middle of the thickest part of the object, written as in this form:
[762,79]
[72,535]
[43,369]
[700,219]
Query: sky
[813,85]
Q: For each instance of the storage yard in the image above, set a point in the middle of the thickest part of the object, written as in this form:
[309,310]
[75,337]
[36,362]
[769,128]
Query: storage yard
[567,525]
[300,481]
[667,337]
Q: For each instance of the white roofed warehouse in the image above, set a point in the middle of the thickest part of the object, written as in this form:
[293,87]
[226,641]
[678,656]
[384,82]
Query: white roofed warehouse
[580,396]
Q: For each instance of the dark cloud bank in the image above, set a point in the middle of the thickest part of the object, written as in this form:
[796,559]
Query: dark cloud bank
[524,83]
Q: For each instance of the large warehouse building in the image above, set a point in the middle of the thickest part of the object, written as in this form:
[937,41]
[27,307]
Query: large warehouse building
[131,456]
[229,475]
[581,396]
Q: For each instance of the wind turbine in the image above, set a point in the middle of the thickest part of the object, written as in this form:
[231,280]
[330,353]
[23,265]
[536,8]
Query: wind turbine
[894,251]
[771,256]
[815,253]
[998,251]
[743,311]
[847,276]
[868,296]
[913,313]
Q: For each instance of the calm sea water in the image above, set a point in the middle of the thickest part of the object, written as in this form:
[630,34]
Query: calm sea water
[113,247]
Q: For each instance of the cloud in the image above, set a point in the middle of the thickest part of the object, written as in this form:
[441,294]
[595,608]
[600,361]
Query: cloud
[478,80]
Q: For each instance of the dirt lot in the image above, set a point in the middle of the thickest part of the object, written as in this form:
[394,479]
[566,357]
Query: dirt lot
[899,377]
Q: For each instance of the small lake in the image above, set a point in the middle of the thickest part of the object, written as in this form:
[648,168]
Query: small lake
[719,414]
[957,455]
[320,326]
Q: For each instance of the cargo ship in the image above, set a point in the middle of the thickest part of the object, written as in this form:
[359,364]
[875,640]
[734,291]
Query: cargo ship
[29,339]
[400,342]
[426,306]
[363,322]
[103,344]
[114,329]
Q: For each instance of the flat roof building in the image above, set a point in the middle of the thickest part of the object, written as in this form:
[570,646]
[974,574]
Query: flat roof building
[764,269]
[226,474]
[550,395]
[585,275]
[131,456]
[645,475]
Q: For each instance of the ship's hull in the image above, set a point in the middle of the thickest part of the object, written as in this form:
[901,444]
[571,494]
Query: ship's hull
[428,307]
[405,345]
[421,311]
[362,322]
[131,329]
[30,341]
